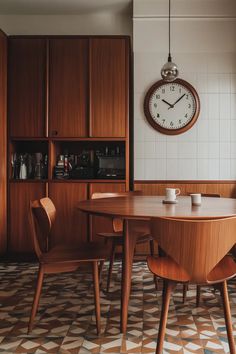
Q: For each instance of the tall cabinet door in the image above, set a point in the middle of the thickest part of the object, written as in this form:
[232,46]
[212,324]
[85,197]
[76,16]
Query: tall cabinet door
[20,195]
[71,224]
[68,87]
[26,87]
[3,142]
[109,80]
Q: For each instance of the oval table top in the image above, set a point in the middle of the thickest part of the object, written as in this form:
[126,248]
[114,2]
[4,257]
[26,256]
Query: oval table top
[146,207]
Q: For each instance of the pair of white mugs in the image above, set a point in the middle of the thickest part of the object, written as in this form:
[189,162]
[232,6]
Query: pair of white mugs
[171,194]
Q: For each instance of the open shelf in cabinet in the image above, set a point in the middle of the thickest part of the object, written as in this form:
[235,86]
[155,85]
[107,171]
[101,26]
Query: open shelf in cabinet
[28,160]
[87,160]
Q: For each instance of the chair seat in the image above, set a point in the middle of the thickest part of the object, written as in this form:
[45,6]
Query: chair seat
[167,268]
[225,269]
[92,251]
[118,237]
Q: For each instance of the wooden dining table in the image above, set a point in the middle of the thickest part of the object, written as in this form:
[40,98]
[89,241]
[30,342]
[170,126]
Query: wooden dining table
[136,211]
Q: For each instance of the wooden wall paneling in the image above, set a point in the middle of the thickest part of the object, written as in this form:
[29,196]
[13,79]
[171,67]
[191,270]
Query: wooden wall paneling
[71,225]
[226,189]
[20,194]
[68,87]
[108,87]
[3,141]
[26,87]
[99,223]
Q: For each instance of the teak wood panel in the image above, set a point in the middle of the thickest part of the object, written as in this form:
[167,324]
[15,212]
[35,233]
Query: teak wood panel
[227,189]
[3,142]
[26,87]
[99,223]
[68,87]
[71,224]
[108,87]
[20,195]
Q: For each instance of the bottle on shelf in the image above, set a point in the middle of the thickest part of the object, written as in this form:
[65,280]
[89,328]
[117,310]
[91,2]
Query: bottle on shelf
[23,170]
[39,166]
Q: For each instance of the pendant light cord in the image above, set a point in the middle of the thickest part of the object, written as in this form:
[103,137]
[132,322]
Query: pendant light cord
[169,56]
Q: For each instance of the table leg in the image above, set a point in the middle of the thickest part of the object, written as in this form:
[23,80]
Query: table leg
[130,238]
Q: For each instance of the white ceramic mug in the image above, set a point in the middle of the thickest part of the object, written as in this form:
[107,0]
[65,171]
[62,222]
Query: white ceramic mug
[196,198]
[171,193]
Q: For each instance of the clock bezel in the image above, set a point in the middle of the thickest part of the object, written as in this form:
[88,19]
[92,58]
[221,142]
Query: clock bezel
[158,127]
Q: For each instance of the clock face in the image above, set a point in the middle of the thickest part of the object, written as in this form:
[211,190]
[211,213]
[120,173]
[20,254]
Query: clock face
[172,108]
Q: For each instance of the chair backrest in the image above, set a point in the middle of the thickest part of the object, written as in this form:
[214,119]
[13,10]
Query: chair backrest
[116,222]
[39,227]
[212,195]
[50,210]
[196,245]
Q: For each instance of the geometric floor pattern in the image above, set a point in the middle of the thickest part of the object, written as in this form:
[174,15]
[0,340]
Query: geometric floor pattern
[65,322]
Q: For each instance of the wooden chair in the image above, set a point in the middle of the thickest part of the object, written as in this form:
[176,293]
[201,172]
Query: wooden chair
[116,236]
[185,288]
[196,253]
[61,258]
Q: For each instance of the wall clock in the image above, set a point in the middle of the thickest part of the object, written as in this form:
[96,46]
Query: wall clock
[172,107]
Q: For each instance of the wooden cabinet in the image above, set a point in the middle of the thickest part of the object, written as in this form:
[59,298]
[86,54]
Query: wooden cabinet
[100,223]
[20,195]
[68,87]
[26,87]
[3,142]
[71,224]
[109,81]
[67,96]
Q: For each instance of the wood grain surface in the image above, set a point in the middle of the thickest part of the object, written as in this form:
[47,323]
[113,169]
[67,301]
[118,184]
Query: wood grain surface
[20,195]
[3,142]
[26,87]
[152,206]
[68,87]
[108,87]
[223,188]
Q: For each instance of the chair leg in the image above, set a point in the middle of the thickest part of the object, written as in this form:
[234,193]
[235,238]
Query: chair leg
[151,244]
[227,313]
[185,289]
[112,258]
[97,296]
[198,296]
[100,270]
[168,287]
[36,298]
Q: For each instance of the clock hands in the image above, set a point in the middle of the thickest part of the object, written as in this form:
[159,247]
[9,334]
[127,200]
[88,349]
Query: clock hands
[180,98]
[171,105]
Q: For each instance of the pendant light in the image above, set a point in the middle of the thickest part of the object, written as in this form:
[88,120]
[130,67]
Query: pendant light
[169,71]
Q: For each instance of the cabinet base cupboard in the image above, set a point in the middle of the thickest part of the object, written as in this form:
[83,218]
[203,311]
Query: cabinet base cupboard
[67,96]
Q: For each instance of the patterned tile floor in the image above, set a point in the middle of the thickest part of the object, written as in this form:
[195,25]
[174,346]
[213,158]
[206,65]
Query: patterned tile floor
[65,322]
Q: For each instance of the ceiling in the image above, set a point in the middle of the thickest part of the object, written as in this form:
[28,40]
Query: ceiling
[63,7]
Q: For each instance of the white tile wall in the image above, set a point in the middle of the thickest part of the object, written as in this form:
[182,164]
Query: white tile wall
[208,150]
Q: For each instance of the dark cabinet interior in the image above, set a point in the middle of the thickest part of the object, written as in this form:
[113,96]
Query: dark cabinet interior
[28,160]
[88,160]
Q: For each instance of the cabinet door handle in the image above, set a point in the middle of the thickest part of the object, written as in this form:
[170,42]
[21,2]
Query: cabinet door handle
[54,132]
